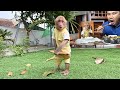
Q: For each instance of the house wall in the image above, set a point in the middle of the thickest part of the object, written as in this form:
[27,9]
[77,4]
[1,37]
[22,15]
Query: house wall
[20,34]
[37,39]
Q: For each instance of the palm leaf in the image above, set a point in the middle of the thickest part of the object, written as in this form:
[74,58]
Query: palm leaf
[73,23]
[72,27]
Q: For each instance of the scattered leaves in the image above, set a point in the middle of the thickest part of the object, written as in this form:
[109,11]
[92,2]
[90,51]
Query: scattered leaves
[98,60]
[10,73]
[28,65]
[45,74]
[23,72]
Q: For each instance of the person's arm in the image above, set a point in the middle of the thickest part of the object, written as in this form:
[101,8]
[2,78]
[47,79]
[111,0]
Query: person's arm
[100,29]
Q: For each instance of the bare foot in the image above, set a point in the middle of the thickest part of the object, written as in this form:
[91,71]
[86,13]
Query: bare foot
[65,72]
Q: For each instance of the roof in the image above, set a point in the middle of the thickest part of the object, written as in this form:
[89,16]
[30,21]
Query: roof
[12,23]
[7,22]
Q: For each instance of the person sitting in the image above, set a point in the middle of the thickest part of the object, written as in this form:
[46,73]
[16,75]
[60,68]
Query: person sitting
[112,25]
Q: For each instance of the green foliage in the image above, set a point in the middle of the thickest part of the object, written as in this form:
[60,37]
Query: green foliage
[35,23]
[17,49]
[2,46]
[4,33]
[21,49]
[74,25]
[1,43]
[51,15]
[26,42]
[39,17]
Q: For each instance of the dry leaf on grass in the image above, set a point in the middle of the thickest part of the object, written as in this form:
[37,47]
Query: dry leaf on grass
[28,65]
[98,60]
[10,73]
[23,72]
[45,74]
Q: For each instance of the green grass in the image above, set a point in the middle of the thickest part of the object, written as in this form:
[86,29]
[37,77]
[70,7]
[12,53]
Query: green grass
[82,65]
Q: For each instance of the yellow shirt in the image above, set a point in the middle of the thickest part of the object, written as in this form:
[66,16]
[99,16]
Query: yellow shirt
[86,33]
[59,36]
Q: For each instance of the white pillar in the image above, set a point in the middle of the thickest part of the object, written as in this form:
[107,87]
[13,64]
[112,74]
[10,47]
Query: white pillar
[89,15]
[84,17]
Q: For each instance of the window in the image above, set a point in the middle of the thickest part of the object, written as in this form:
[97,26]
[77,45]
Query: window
[99,15]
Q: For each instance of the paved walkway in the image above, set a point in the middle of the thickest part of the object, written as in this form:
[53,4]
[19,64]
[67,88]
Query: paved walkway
[38,48]
[8,52]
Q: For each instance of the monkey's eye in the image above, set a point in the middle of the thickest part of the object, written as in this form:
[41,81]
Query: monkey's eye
[60,21]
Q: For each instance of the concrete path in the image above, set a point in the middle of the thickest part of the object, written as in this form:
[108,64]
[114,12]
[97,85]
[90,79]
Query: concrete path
[38,48]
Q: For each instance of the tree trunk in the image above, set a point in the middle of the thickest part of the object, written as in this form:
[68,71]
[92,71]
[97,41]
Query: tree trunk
[28,35]
[26,26]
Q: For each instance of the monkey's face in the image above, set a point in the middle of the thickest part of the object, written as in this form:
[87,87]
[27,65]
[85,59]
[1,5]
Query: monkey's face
[60,24]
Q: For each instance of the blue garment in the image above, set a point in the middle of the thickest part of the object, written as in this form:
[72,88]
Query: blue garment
[111,29]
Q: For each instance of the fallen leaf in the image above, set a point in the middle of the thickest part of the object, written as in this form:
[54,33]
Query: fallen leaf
[23,72]
[99,60]
[45,74]
[28,65]
[10,73]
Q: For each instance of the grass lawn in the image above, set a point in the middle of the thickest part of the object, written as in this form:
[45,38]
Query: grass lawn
[82,65]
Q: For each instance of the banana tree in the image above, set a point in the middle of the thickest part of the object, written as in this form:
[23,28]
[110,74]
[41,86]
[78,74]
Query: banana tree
[4,34]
